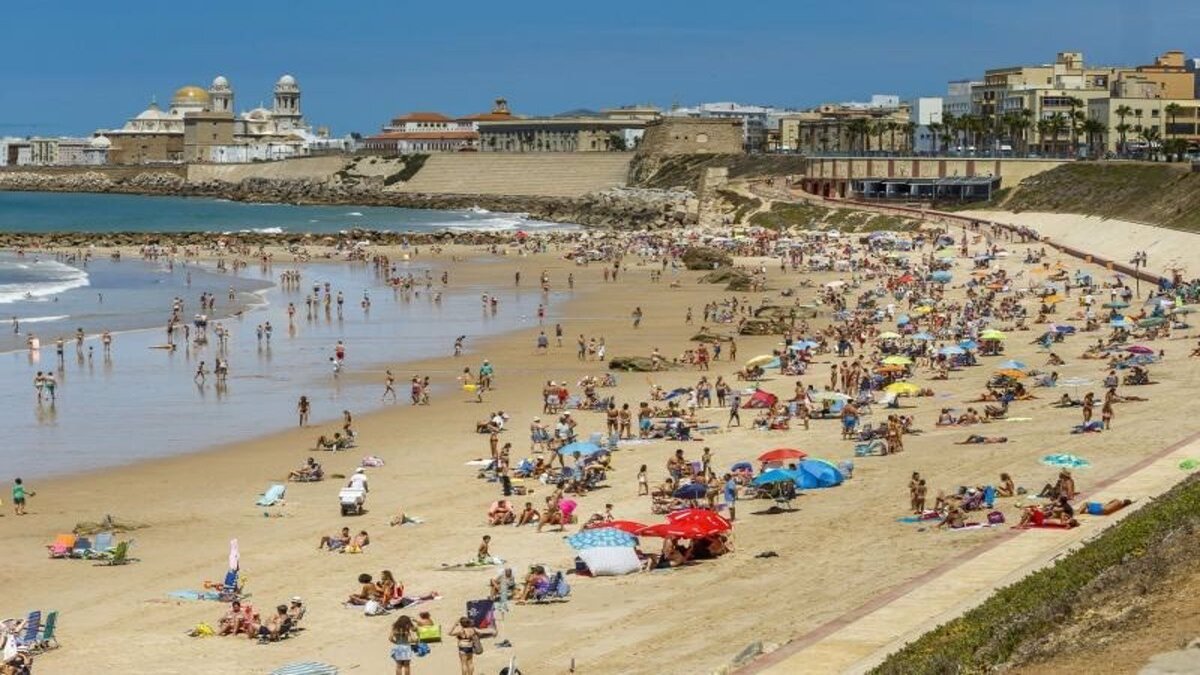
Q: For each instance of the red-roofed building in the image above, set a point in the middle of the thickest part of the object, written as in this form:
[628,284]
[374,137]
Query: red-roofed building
[426,131]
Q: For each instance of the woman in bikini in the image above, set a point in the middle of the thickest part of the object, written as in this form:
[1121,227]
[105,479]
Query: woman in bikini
[467,636]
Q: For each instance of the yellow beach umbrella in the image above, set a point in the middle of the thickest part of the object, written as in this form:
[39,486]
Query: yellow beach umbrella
[760,360]
[902,388]
[1052,299]
[922,310]
[992,335]
[897,361]
[1011,372]
[888,335]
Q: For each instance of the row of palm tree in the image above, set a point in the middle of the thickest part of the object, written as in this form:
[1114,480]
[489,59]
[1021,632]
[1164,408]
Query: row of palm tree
[1060,133]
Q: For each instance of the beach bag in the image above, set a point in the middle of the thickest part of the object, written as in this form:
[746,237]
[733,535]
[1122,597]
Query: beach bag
[476,644]
[421,649]
[429,633]
[373,608]
[995,518]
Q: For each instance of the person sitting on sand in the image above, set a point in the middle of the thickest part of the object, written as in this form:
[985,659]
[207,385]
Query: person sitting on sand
[1065,401]
[955,518]
[367,592]
[535,579]
[296,610]
[1032,516]
[551,515]
[1007,487]
[505,581]
[1055,360]
[358,543]
[309,471]
[1063,511]
[276,626]
[969,417]
[501,513]
[231,623]
[1066,485]
[335,542]
[528,515]
[946,418]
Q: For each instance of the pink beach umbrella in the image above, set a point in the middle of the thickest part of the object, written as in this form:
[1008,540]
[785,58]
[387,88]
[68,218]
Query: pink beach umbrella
[1140,349]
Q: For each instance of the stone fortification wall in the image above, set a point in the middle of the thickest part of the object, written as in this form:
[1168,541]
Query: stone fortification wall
[691,136]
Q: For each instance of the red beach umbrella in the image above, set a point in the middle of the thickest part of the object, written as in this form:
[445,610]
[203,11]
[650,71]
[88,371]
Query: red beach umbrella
[666,530]
[702,520]
[782,455]
[629,526]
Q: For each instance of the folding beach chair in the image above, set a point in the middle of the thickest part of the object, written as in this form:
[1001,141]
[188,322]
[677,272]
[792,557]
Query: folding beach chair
[103,544]
[83,546]
[33,629]
[119,555]
[47,640]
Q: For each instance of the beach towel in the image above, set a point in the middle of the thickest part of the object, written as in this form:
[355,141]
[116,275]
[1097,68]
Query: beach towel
[1047,525]
[371,461]
[928,515]
[193,595]
[272,496]
[481,613]
[306,668]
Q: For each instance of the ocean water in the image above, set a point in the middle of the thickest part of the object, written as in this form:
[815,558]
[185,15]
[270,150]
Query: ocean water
[147,393]
[83,212]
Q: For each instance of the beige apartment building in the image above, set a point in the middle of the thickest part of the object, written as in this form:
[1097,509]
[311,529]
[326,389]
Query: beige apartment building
[1172,118]
[837,128]
[1070,86]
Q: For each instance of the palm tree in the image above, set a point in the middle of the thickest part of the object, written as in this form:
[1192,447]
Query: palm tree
[935,130]
[1172,110]
[1122,130]
[1093,129]
[1043,129]
[1058,124]
[910,133]
[1073,120]
[1123,111]
[879,128]
[892,127]
[1152,136]
[1018,124]
[859,128]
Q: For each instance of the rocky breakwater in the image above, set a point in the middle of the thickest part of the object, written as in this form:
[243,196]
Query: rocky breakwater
[619,208]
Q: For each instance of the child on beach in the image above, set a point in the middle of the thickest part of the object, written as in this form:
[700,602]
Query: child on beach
[643,485]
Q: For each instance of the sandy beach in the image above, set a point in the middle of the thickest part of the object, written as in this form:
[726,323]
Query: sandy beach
[842,546]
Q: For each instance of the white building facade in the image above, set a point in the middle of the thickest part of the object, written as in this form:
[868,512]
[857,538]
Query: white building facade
[926,111]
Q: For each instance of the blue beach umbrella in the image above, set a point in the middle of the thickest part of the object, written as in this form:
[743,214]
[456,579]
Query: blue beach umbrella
[941,276]
[691,491]
[922,336]
[802,345]
[952,350]
[818,473]
[601,536]
[584,448]
[968,344]
[902,319]
[306,668]
[774,476]
[1011,364]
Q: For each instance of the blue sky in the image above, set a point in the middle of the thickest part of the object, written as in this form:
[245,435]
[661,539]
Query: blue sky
[72,66]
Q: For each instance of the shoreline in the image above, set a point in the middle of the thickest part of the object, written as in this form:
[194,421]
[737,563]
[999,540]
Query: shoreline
[209,495]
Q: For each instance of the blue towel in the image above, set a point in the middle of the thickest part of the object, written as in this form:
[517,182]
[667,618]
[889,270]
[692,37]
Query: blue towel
[306,668]
[272,495]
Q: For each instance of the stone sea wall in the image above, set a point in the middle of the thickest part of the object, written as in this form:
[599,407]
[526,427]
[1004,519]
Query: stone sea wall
[621,208]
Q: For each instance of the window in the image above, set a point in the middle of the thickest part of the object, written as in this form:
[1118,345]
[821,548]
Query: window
[701,138]
[1154,113]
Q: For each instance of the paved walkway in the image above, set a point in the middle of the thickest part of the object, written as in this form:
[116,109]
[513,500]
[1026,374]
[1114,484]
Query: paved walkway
[862,638]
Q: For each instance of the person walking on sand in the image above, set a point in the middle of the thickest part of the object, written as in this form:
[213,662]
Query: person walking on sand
[201,374]
[106,340]
[637,317]
[50,384]
[389,387]
[303,408]
[467,639]
[39,384]
[735,401]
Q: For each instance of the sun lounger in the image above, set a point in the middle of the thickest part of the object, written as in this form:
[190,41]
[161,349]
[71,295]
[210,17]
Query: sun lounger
[273,495]
[82,548]
[62,546]
[102,545]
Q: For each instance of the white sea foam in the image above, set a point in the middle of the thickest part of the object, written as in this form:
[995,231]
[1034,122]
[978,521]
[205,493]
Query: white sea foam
[257,230]
[356,214]
[38,280]
[43,319]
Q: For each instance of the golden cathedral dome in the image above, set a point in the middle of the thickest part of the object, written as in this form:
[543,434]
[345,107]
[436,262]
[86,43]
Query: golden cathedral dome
[190,95]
